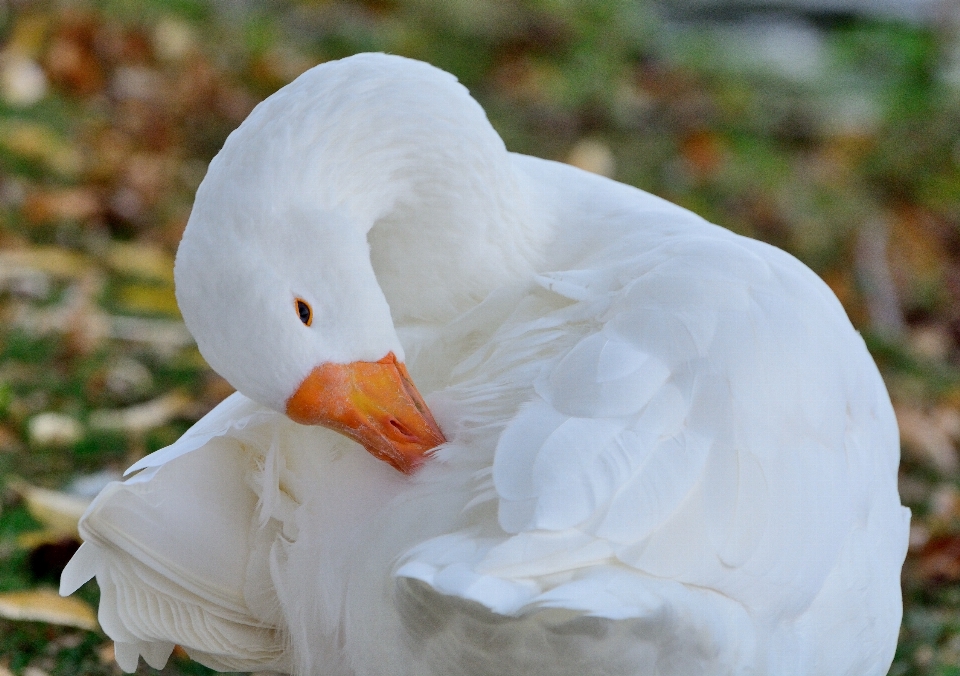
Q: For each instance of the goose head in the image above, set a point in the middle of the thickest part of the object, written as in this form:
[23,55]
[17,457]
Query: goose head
[368,191]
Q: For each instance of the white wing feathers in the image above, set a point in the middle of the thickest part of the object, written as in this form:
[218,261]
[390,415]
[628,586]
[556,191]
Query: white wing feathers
[720,426]
[170,550]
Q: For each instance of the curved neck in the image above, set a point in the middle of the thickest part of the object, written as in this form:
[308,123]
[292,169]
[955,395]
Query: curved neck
[402,152]
[458,233]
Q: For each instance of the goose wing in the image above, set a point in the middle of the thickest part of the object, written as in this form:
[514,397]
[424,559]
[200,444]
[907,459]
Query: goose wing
[176,554]
[710,458]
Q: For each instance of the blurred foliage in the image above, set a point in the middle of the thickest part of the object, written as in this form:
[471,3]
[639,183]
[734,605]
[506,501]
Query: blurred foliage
[838,141]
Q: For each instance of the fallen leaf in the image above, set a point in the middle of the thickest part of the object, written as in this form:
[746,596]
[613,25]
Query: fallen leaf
[71,61]
[107,653]
[77,316]
[147,299]
[22,81]
[53,261]
[65,204]
[54,429]
[939,559]
[947,418]
[173,39]
[128,379]
[66,641]
[59,512]
[165,335]
[944,502]
[137,82]
[10,440]
[146,261]
[46,605]
[142,417]
[29,33]
[38,143]
[926,439]
[930,341]
[703,152]
[594,156]
[919,536]
[38,538]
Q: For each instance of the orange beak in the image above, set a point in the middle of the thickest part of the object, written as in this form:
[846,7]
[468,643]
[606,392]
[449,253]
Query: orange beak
[373,403]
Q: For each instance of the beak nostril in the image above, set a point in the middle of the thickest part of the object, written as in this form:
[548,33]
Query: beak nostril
[400,428]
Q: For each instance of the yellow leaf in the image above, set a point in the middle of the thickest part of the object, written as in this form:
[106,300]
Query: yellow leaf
[141,260]
[53,261]
[29,33]
[41,144]
[37,538]
[46,605]
[145,299]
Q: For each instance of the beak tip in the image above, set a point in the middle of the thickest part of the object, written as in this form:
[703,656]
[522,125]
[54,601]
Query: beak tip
[408,458]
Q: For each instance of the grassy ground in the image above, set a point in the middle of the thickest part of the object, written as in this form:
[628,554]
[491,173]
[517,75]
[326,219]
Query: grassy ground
[847,154]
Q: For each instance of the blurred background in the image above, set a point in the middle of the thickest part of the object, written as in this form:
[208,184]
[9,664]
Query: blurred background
[830,128]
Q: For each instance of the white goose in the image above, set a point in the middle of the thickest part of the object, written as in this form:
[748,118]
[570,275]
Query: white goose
[667,450]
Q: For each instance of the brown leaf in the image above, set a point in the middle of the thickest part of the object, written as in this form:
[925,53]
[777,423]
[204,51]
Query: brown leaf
[10,440]
[65,204]
[842,282]
[703,152]
[71,61]
[928,437]
[46,605]
[930,341]
[107,653]
[939,560]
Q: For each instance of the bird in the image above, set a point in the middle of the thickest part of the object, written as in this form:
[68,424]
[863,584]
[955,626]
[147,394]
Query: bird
[495,415]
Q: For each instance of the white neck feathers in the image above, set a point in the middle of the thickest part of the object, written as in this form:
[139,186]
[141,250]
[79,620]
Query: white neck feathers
[402,151]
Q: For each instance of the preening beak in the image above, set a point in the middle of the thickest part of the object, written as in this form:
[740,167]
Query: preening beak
[374,403]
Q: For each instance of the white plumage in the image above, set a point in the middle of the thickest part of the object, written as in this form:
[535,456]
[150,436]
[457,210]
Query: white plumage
[669,453]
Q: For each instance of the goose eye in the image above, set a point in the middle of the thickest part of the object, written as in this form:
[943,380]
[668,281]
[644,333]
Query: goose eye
[303,309]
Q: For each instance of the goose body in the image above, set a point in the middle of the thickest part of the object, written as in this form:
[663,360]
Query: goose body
[667,450]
